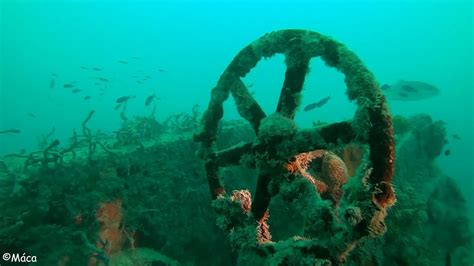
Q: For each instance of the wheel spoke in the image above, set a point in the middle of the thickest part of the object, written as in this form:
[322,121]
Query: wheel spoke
[246,105]
[215,185]
[323,137]
[232,155]
[292,86]
[262,196]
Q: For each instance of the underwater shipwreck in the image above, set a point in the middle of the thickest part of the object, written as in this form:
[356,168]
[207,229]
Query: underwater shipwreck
[198,190]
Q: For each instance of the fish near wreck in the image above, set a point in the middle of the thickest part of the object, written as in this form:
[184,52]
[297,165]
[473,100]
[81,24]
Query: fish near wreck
[150,99]
[102,79]
[11,130]
[456,137]
[409,90]
[124,99]
[317,104]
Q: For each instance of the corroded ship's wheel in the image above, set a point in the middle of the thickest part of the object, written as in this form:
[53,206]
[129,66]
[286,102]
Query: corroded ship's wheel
[278,139]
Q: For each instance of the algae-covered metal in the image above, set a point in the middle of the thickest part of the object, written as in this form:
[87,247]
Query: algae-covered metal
[278,139]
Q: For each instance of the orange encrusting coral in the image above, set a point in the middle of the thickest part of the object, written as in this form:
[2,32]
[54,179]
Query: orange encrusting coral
[245,199]
[263,230]
[302,160]
[332,177]
[110,217]
[301,164]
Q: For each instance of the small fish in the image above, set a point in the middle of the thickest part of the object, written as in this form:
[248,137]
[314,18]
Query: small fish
[68,85]
[136,58]
[149,99]
[123,62]
[97,83]
[31,115]
[147,77]
[76,90]
[317,104]
[84,68]
[124,99]
[456,137]
[52,82]
[402,94]
[118,106]
[139,82]
[11,130]
[53,75]
[87,97]
[161,70]
[97,69]
[102,79]
[447,152]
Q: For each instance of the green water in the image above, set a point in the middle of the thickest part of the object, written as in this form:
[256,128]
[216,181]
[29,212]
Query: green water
[178,49]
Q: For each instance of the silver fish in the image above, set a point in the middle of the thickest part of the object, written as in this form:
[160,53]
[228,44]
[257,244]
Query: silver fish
[409,90]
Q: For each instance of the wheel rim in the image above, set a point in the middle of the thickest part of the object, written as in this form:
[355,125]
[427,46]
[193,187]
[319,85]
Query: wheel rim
[372,124]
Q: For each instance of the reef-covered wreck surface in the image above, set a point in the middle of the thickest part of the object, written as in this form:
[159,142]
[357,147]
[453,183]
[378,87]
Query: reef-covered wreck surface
[146,202]
[258,192]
